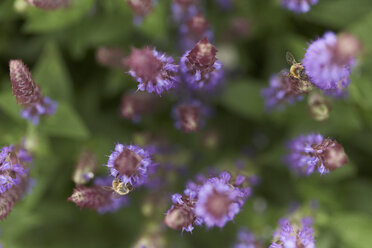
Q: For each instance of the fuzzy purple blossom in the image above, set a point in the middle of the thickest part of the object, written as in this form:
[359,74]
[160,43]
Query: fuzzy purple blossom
[283,89]
[28,93]
[154,71]
[212,201]
[314,152]
[299,6]
[131,164]
[200,67]
[14,177]
[49,4]
[329,60]
[294,235]
[246,239]
[190,116]
[182,10]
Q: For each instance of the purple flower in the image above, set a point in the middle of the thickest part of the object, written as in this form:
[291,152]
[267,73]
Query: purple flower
[49,4]
[246,239]
[155,72]
[217,202]
[131,164]
[299,6]
[313,151]
[11,169]
[182,10]
[299,235]
[14,177]
[328,61]
[200,68]
[190,116]
[212,201]
[28,94]
[193,30]
[283,89]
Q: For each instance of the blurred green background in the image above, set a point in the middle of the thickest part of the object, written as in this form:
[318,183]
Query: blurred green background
[59,47]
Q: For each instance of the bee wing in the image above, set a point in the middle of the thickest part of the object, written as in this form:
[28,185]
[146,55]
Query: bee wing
[107,188]
[116,195]
[290,58]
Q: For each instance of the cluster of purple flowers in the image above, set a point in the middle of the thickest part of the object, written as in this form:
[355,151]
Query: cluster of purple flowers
[28,93]
[14,177]
[299,6]
[246,239]
[295,234]
[314,152]
[327,64]
[210,201]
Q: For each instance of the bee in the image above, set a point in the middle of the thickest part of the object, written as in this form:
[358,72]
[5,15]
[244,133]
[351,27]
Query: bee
[119,188]
[297,72]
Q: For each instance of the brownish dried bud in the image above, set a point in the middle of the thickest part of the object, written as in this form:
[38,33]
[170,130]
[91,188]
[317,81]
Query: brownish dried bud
[91,197]
[319,107]
[334,156]
[197,26]
[348,47]
[49,4]
[189,118]
[85,168]
[24,88]
[141,7]
[180,216]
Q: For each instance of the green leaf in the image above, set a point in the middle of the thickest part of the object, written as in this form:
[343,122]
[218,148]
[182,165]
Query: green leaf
[9,105]
[155,25]
[339,13]
[244,98]
[52,75]
[353,229]
[65,123]
[41,21]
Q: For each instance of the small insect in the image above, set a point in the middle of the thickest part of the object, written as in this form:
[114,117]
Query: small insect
[119,188]
[297,72]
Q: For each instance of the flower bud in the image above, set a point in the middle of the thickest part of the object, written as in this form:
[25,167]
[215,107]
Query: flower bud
[319,107]
[85,168]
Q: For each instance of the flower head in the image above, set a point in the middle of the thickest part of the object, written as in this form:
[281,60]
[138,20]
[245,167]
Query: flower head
[246,239]
[328,61]
[294,235]
[299,6]
[313,151]
[49,4]
[131,164]
[218,202]
[28,94]
[283,89]
[200,67]
[155,72]
[190,116]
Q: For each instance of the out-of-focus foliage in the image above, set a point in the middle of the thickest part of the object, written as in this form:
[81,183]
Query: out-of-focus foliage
[59,46]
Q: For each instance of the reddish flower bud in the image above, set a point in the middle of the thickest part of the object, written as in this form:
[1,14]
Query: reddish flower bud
[110,57]
[85,168]
[348,47]
[48,4]
[94,197]
[334,156]
[141,7]
[202,57]
[197,26]
[181,216]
